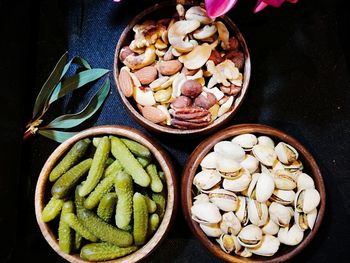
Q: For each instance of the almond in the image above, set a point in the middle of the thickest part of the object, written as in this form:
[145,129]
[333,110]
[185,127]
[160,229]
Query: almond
[153,114]
[124,52]
[146,75]
[125,83]
[169,67]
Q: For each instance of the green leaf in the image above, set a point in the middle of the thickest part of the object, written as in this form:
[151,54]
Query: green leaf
[49,85]
[72,120]
[58,136]
[76,81]
[76,60]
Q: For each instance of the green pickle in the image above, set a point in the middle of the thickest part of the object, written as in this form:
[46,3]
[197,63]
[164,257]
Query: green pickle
[151,205]
[67,181]
[140,219]
[103,230]
[52,209]
[104,251]
[159,199]
[129,162]
[153,223]
[144,162]
[97,167]
[71,158]
[72,220]
[106,206]
[156,183]
[102,188]
[65,237]
[113,168]
[124,190]
[137,148]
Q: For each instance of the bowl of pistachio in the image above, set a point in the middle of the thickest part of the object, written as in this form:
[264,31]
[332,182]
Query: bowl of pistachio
[180,72]
[106,194]
[253,193]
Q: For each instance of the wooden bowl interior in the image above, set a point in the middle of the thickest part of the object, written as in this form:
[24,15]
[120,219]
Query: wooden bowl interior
[191,168]
[164,10]
[42,191]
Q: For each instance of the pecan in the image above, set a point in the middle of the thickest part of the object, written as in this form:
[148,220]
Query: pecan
[189,113]
[234,43]
[215,57]
[190,118]
[231,90]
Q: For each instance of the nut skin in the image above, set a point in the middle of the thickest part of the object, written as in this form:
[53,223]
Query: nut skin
[236,57]
[146,75]
[169,67]
[191,88]
[216,57]
[181,102]
[234,44]
[125,83]
[188,72]
[153,114]
[231,90]
[124,52]
[205,100]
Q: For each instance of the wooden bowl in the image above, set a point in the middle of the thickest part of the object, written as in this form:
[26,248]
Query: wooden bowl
[42,190]
[164,10]
[191,168]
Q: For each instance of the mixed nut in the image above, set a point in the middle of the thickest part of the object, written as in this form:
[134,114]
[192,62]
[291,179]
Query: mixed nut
[252,195]
[182,72]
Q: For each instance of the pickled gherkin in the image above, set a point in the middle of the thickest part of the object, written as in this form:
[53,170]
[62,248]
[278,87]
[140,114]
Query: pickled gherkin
[73,221]
[137,148]
[97,167]
[67,181]
[113,168]
[104,251]
[106,207]
[153,223]
[65,237]
[95,196]
[129,162]
[52,209]
[140,219]
[159,199]
[103,230]
[72,157]
[156,183]
[124,190]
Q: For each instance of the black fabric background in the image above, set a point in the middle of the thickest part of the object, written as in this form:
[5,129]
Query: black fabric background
[300,84]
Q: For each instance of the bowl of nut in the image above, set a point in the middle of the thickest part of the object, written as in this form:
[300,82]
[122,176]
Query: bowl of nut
[180,72]
[106,194]
[253,193]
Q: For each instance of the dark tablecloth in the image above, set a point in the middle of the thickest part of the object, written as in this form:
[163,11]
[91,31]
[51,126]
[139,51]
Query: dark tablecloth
[300,84]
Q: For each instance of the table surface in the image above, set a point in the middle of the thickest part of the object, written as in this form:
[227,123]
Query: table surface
[299,84]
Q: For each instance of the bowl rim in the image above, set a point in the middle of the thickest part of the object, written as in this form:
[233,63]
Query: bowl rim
[159,154]
[219,122]
[204,147]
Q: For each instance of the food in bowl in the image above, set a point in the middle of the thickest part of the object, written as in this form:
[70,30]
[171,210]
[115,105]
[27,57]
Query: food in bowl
[182,72]
[252,195]
[108,197]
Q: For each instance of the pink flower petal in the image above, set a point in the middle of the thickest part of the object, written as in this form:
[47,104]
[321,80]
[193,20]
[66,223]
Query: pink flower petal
[217,8]
[260,5]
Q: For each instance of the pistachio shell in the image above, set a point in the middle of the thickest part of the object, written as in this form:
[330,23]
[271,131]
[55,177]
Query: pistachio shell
[269,246]
[265,154]
[229,169]
[290,236]
[280,214]
[246,141]
[284,180]
[242,210]
[305,181]
[250,163]
[230,224]
[307,200]
[286,153]
[209,161]
[230,150]
[264,187]
[250,236]
[284,197]
[270,228]
[211,230]
[205,213]
[206,179]
[267,141]
[226,243]
[223,199]
[201,198]
[257,212]
[238,184]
